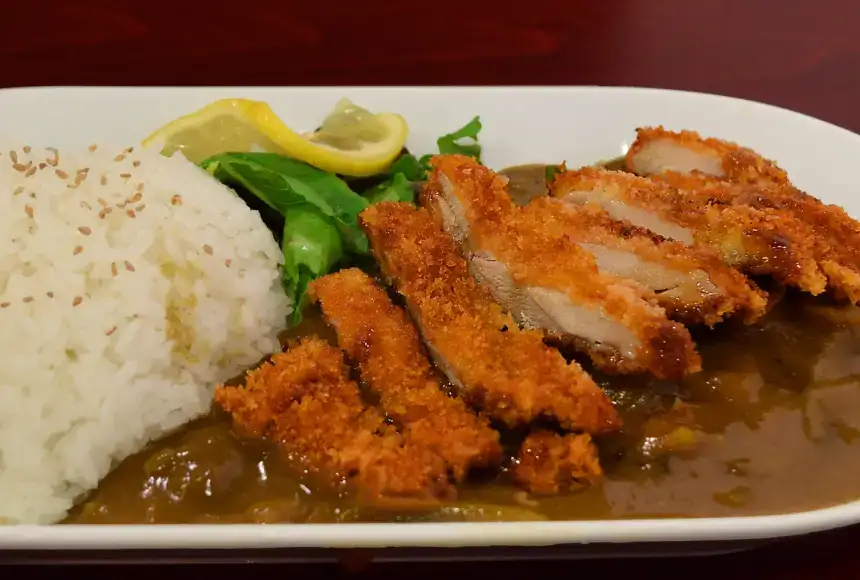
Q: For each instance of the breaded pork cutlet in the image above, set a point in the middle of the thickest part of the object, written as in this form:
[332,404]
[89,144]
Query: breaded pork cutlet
[380,339]
[752,240]
[739,176]
[536,272]
[304,402]
[690,282]
[656,150]
[507,372]
[549,464]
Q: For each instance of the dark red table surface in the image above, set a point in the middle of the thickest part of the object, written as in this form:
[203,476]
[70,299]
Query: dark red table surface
[798,54]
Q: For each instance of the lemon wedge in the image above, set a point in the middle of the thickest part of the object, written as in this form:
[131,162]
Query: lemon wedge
[351,140]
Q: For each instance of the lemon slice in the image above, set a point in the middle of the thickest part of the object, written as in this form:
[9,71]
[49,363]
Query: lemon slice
[351,141]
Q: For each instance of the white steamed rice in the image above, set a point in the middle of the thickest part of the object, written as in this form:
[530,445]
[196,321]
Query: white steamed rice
[130,284]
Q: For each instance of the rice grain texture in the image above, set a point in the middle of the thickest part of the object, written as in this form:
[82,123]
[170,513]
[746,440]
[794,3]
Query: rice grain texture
[130,284]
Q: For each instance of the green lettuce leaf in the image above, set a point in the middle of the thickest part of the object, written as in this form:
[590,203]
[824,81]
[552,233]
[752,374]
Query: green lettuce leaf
[551,171]
[312,247]
[463,141]
[396,188]
[409,166]
[282,182]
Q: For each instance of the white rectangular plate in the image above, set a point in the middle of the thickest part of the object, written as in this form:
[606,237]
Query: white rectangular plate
[575,124]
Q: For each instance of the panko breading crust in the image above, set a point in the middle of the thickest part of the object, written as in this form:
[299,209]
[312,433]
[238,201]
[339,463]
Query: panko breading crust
[379,338]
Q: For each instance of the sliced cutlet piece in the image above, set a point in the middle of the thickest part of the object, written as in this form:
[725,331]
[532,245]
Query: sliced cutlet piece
[550,464]
[656,150]
[304,401]
[545,280]
[739,176]
[381,340]
[507,372]
[752,240]
[829,231]
[691,283]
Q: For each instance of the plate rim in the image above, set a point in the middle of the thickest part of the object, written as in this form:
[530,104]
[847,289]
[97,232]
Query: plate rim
[431,535]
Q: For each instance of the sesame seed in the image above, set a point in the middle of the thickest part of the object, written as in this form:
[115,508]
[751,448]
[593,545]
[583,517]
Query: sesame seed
[207,248]
[61,174]
[128,150]
[21,167]
[125,176]
[113,269]
[18,190]
[77,300]
[77,250]
[104,180]
[13,155]
[119,157]
[27,149]
[43,165]
[50,294]
[30,172]
[104,212]
[176,199]
[93,147]
[72,186]
[130,213]
[4,305]
[136,197]
[102,202]
[136,163]
[85,230]
[129,266]
[27,299]
[227,262]
[33,194]
[140,207]
[28,209]
[56,160]
[111,331]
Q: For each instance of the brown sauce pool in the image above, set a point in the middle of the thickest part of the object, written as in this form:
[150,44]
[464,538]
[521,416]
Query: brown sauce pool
[771,425]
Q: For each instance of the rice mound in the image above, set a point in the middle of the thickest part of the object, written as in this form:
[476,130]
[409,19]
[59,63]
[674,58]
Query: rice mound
[130,284]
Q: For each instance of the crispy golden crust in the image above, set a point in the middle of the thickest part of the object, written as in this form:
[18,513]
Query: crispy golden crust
[739,164]
[549,463]
[755,240]
[482,192]
[593,225]
[537,251]
[378,337]
[507,372]
[832,233]
[304,401]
